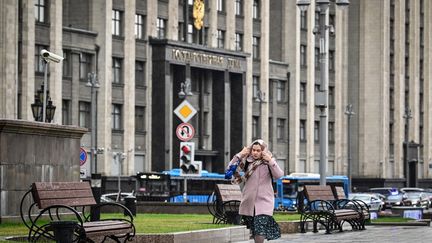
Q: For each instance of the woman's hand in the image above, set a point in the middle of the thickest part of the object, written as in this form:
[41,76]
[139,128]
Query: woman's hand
[244,152]
[266,156]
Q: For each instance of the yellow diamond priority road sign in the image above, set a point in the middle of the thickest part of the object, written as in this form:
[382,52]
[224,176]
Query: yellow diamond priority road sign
[185,111]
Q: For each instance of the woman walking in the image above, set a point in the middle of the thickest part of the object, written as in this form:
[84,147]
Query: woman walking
[257,202]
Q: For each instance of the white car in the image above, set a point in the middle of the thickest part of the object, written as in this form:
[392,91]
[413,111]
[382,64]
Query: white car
[373,201]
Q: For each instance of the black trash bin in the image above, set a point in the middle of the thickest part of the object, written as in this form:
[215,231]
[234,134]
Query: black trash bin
[130,203]
[63,231]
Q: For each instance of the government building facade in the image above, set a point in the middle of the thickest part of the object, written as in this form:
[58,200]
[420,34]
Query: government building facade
[250,69]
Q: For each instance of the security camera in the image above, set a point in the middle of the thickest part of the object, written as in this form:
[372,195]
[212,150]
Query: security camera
[49,56]
[332,30]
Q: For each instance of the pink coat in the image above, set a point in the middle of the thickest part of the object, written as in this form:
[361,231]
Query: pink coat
[258,191]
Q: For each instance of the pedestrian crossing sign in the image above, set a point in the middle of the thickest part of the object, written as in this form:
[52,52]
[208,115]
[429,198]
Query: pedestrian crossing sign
[185,111]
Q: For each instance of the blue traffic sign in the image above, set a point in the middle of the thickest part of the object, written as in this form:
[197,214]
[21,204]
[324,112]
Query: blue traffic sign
[83,156]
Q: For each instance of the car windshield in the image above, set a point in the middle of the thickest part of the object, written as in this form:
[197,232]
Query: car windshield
[413,195]
[362,197]
[394,197]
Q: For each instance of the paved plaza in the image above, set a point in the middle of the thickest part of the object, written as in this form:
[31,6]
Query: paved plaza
[377,234]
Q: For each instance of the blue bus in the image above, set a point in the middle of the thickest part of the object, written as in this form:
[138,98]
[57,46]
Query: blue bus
[169,186]
[288,187]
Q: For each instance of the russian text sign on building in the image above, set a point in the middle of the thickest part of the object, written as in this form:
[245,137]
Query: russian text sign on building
[185,111]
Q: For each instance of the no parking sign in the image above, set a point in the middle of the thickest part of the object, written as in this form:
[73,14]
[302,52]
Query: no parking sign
[83,156]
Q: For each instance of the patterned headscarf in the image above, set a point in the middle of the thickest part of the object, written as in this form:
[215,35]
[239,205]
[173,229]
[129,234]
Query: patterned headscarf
[249,159]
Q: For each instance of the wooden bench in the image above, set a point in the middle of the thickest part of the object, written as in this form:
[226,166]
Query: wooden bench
[325,209]
[57,202]
[224,204]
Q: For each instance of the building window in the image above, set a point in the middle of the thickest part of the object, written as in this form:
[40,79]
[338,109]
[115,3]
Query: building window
[281,129]
[255,47]
[39,63]
[331,132]
[316,131]
[303,57]
[139,118]
[66,112]
[280,96]
[302,130]
[317,58]
[239,7]
[331,97]
[256,9]
[139,26]
[116,117]
[255,127]
[85,65]
[139,74]
[255,86]
[117,70]
[116,23]
[220,38]
[84,114]
[160,25]
[302,93]
[41,11]
[331,60]
[303,20]
[221,5]
[238,42]
[317,17]
[67,64]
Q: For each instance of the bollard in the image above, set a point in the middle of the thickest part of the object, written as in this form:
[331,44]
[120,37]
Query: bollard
[130,203]
[63,231]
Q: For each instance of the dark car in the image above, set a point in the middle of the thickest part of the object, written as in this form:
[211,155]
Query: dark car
[394,200]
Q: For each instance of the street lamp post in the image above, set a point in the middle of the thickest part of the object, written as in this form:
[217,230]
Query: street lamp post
[321,100]
[407,116]
[349,112]
[93,83]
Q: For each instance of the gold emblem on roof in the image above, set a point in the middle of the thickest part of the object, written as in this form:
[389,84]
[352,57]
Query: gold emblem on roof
[198,13]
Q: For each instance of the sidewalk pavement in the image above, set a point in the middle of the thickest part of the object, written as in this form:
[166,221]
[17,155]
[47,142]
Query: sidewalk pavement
[376,234]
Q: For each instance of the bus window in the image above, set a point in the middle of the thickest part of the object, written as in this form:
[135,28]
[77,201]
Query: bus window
[289,190]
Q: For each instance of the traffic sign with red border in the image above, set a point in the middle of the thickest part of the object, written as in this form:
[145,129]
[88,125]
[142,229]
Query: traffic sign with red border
[185,132]
[83,156]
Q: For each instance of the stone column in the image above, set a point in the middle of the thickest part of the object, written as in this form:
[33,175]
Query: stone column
[399,89]
[75,87]
[9,59]
[212,18]
[247,43]
[414,57]
[264,66]
[373,109]
[56,69]
[427,95]
[311,77]
[291,55]
[340,92]
[129,89]
[101,23]
[27,60]
[173,9]
[230,25]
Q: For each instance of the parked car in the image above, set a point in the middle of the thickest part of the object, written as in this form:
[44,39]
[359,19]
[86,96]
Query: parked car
[394,200]
[412,189]
[373,201]
[417,199]
[386,191]
[113,197]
